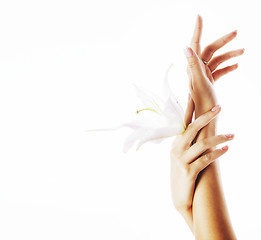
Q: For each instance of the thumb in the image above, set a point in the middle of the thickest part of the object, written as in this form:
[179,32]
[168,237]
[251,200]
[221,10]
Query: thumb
[194,63]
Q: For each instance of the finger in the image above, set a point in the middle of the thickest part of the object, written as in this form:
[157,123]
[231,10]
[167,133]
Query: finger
[201,163]
[216,61]
[203,145]
[213,47]
[195,41]
[194,63]
[223,71]
[189,111]
[193,128]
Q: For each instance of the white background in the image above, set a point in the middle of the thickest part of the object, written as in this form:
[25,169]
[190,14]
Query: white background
[67,66]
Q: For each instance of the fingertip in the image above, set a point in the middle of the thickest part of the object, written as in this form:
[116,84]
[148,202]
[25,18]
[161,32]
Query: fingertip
[199,18]
[231,36]
[216,108]
[225,148]
[230,135]
[236,65]
[233,67]
[188,52]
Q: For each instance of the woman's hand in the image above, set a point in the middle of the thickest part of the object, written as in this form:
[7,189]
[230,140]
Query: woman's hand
[202,67]
[206,55]
[188,160]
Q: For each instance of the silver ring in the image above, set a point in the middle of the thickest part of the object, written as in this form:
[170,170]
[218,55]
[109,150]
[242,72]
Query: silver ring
[204,61]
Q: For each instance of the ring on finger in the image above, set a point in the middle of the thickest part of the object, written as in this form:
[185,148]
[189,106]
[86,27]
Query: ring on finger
[204,61]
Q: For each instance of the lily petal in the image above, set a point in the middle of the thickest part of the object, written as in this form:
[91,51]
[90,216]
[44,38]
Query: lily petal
[135,124]
[159,133]
[132,138]
[166,87]
[157,141]
[149,99]
[158,119]
[174,112]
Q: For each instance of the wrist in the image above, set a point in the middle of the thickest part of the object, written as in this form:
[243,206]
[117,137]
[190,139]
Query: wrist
[203,103]
[210,129]
[203,107]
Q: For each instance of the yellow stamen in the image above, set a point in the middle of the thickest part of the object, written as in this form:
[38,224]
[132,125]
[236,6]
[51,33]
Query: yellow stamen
[146,109]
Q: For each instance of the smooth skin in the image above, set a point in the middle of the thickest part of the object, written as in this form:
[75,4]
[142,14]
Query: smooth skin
[209,211]
[201,201]
[188,159]
[202,76]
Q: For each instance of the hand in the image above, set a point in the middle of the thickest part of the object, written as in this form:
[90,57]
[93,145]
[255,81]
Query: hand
[188,160]
[208,52]
[201,74]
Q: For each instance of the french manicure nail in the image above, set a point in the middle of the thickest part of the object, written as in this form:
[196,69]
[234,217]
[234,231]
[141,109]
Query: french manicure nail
[188,52]
[229,135]
[215,108]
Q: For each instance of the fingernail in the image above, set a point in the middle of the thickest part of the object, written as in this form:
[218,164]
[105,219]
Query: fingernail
[229,135]
[189,97]
[215,108]
[225,148]
[188,52]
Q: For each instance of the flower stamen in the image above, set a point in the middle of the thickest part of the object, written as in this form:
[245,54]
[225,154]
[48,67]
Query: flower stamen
[149,109]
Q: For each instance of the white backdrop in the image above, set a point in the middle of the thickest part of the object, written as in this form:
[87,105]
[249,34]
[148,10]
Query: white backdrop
[67,66]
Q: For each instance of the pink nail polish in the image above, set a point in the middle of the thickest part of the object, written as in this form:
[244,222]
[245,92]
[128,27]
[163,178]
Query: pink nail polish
[225,148]
[229,135]
[188,52]
[215,108]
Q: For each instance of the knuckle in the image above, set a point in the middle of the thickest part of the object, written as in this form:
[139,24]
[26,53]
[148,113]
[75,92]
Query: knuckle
[206,157]
[192,64]
[227,70]
[195,41]
[230,55]
[225,40]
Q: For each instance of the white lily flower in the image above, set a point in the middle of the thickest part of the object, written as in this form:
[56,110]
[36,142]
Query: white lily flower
[158,120]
